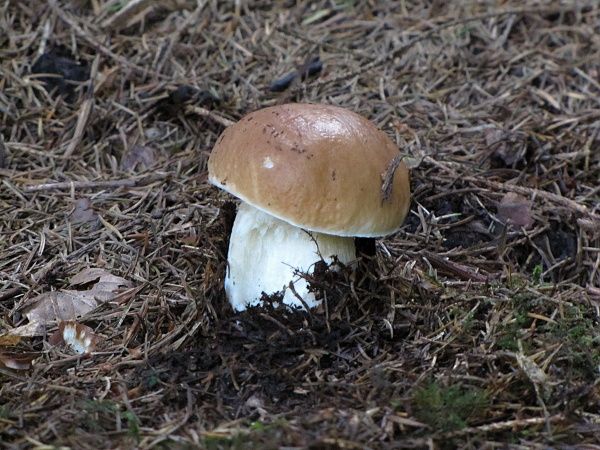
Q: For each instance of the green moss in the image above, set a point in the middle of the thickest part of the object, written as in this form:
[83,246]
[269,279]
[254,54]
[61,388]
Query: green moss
[448,408]
[133,425]
[580,339]
[241,441]
[99,416]
[169,444]
[220,443]
[463,31]
[258,435]
[257,426]
[536,275]
[524,302]
[99,406]
[117,6]
[512,332]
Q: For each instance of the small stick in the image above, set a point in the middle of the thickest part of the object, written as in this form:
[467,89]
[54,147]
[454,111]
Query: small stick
[300,299]
[460,270]
[549,196]
[10,293]
[84,112]
[3,153]
[506,425]
[277,323]
[45,37]
[96,184]
[388,178]
[487,428]
[121,17]
[211,115]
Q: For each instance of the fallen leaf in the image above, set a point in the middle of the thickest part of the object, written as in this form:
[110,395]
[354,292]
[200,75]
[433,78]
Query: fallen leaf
[68,304]
[83,211]
[494,137]
[16,361]
[80,338]
[531,369]
[141,156]
[191,239]
[516,210]
[63,305]
[31,329]
[104,279]
[534,373]
[508,147]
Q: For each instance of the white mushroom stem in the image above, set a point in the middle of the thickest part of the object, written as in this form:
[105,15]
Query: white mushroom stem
[265,254]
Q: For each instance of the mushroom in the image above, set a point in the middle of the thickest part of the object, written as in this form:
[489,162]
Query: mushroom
[310,178]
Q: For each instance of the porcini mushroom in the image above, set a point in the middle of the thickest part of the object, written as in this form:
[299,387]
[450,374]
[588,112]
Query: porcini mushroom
[310,178]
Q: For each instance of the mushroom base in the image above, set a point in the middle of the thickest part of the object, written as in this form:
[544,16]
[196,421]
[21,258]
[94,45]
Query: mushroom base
[265,254]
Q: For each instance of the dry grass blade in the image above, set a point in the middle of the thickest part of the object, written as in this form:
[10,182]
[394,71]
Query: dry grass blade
[388,178]
[122,16]
[474,326]
[68,304]
[84,112]
[78,185]
[549,196]
[206,113]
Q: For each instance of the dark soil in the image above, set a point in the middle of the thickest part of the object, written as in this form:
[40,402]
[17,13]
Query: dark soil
[475,326]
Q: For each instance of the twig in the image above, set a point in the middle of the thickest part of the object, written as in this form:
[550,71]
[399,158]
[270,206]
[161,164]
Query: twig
[120,18]
[487,428]
[549,196]
[10,293]
[388,178]
[3,152]
[300,299]
[508,424]
[84,112]
[459,270]
[277,323]
[45,36]
[97,184]
[206,113]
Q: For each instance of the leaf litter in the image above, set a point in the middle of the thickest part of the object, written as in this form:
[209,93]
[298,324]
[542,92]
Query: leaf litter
[515,210]
[83,212]
[484,99]
[69,304]
[16,361]
[139,157]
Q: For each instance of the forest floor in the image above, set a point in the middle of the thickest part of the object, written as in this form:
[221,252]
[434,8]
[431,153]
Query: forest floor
[477,325]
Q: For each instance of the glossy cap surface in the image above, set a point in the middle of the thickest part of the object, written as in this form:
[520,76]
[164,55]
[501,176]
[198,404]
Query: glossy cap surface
[318,167]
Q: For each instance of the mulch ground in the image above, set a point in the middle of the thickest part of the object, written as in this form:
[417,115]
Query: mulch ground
[475,326]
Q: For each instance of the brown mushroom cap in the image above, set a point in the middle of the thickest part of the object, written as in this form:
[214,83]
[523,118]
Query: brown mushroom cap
[318,167]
